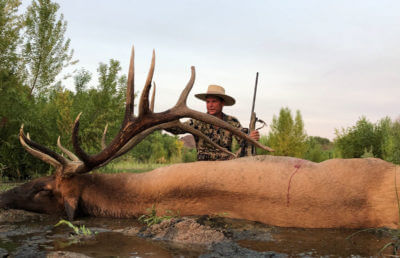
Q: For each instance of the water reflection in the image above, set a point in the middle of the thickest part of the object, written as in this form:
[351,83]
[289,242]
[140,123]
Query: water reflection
[36,234]
[322,242]
[109,244]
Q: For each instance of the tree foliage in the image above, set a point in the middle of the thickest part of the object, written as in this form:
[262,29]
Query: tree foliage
[365,139]
[81,80]
[45,50]
[318,149]
[158,148]
[10,26]
[287,136]
[354,141]
[101,105]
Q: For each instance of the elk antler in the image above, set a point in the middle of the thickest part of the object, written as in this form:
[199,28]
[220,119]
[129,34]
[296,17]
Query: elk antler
[139,137]
[63,165]
[133,129]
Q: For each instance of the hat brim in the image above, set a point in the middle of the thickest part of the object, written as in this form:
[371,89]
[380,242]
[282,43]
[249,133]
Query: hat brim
[228,100]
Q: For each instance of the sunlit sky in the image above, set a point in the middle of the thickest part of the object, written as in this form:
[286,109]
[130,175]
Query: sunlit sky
[335,61]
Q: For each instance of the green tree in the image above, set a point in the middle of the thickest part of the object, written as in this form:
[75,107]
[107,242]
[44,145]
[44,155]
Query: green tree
[189,155]
[287,136]
[263,140]
[15,106]
[357,140]
[15,109]
[46,52]
[390,139]
[101,105]
[81,80]
[159,148]
[365,139]
[63,103]
[318,149]
[108,77]
[10,26]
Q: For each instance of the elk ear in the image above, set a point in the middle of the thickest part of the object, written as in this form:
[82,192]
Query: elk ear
[71,207]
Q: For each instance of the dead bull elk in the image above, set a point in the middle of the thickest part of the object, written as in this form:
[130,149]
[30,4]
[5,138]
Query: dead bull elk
[64,189]
[281,191]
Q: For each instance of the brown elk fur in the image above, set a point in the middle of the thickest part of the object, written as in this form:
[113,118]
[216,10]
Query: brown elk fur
[280,191]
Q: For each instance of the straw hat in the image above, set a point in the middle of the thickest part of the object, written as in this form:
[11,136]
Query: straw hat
[219,91]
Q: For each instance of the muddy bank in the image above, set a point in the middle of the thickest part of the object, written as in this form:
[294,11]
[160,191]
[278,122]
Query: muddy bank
[25,234]
[214,235]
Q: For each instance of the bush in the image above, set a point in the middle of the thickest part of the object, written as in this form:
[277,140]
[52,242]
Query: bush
[365,139]
[318,149]
[189,155]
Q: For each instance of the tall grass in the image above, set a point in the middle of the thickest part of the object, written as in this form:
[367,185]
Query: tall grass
[130,166]
[7,186]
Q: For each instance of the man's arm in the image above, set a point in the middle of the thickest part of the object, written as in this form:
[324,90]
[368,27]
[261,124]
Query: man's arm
[244,146]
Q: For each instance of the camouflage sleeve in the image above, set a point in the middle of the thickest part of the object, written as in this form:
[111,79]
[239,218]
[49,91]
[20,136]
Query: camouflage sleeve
[235,123]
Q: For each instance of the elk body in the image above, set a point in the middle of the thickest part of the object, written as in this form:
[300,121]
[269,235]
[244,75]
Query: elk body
[278,191]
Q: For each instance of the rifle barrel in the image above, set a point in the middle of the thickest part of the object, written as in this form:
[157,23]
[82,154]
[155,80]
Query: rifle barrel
[254,95]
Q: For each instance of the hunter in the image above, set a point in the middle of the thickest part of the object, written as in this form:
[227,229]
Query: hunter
[215,99]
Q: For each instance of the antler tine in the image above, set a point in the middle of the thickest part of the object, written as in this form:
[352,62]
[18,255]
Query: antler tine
[103,138]
[75,142]
[130,89]
[139,137]
[153,97]
[66,151]
[144,99]
[128,130]
[220,123]
[198,133]
[131,143]
[41,152]
[183,97]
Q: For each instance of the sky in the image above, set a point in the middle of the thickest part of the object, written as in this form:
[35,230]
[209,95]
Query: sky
[334,61]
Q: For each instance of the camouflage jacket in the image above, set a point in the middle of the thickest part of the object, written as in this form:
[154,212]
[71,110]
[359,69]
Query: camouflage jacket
[220,136]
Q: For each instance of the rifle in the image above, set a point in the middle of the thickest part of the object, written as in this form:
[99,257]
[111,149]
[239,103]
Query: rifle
[249,149]
[253,118]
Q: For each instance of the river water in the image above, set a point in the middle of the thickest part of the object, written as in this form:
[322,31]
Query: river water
[24,234]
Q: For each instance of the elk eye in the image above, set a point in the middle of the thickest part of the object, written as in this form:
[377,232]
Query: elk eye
[43,193]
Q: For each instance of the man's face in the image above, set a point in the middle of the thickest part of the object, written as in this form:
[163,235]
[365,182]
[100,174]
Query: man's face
[214,105]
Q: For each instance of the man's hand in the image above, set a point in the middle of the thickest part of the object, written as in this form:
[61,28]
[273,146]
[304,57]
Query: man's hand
[255,135]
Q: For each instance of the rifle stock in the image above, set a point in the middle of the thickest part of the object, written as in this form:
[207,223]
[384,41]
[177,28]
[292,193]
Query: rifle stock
[251,150]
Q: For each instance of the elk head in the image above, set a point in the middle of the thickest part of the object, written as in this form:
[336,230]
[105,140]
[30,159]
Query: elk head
[61,192]
[37,195]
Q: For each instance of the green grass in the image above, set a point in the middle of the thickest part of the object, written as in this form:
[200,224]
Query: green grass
[130,167]
[7,186]
[151,217]
[78,230]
